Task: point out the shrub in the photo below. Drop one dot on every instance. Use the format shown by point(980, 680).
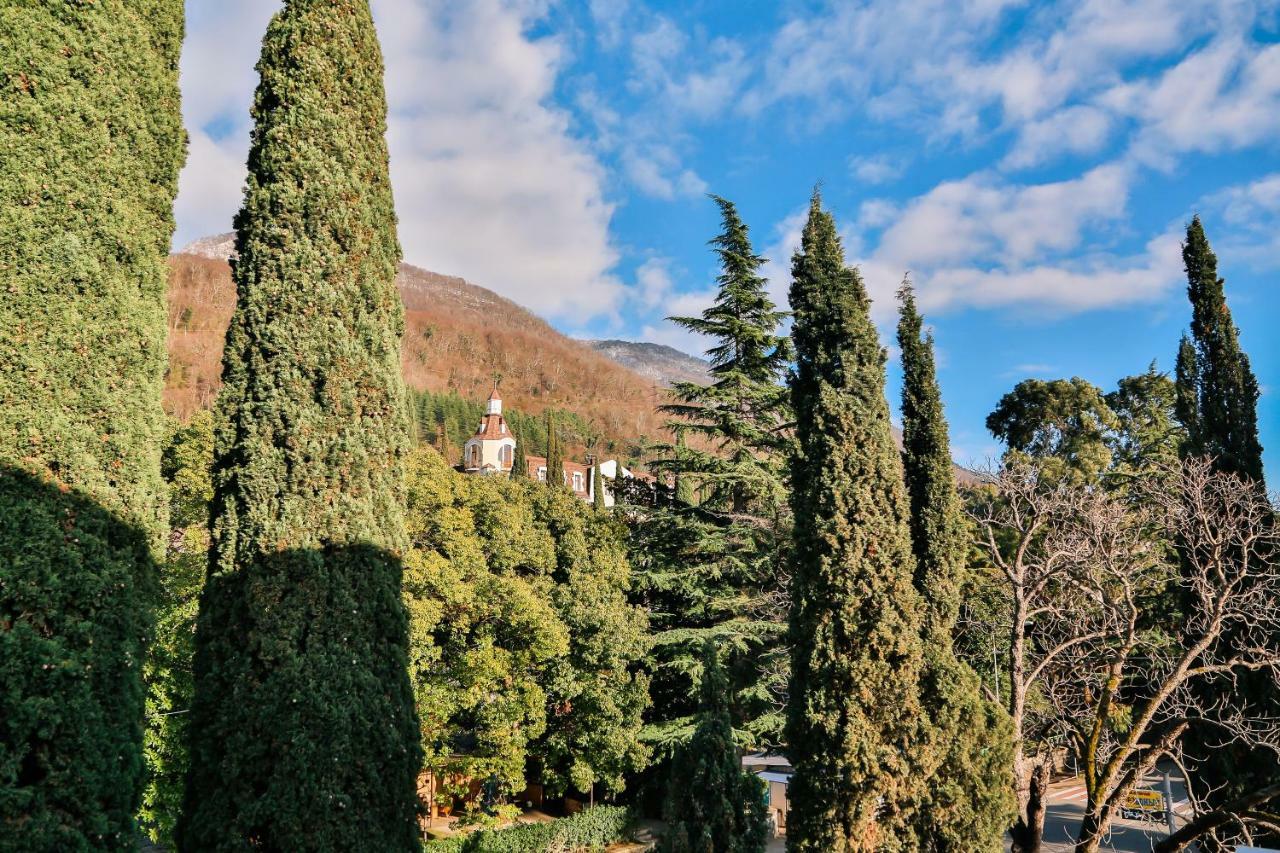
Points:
point(593, 829)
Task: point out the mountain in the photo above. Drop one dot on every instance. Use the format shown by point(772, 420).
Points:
point(663, 364)
point(458, 337)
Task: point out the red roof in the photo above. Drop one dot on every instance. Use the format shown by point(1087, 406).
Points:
point(493, 427)
point(533, 463)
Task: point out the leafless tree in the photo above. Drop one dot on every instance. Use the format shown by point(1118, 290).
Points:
point(1092, 663)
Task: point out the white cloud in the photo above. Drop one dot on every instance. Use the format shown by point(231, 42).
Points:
point(1244, 222)
point(491, 182)
point(1079, 129)
point(880, 169)
point(653, 282)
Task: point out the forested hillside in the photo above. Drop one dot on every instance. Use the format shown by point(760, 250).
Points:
point(458, 338)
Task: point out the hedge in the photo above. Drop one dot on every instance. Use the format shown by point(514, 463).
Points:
point(593, 829)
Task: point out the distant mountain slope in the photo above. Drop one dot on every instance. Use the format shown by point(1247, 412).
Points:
point(663, 364)
point(457, 337)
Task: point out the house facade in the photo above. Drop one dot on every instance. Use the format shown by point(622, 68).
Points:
point(491, 451)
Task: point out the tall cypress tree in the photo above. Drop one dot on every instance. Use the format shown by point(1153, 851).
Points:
point(964, 748)
point(855, 617)
point(1216, 399)
point(555, 457)
point(91, 130)
point(1217, 391)
point(304, 732)
point(712, 805)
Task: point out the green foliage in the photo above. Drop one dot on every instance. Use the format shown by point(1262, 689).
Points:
point(90, 127)
point(1148, 435)
point(963, 750)
point(461, 416)
point(1063, 424)
point(303, 728)
point(855, 618)
point(1217, 392)
point(167, 672)
point(593, 829)
point(521, 639)
point(555, 456)
point(712, 805)
point(708, 564)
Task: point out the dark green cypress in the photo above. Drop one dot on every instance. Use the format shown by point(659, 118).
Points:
point(91, 135)
point(519, 465)
point(855, 617)
point(1217, 391)
point(597, 486)
point(304, 731)
point(712, 805)
point(963, 747)
point(555, 458)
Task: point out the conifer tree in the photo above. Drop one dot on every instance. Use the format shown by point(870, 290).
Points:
point(963, 747)
point(712, 805)
point(1217, 390)
point(304, 734)
point(709, 568)
point(597, 486)
point(91, 135)
point(519, 464)
point(855, 616)
point(1217, 402)
point(555, 457)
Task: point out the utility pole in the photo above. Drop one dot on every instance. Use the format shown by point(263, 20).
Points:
point(1168, 803)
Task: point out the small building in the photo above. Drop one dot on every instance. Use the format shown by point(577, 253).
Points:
point(491, 450)
point(776, 772)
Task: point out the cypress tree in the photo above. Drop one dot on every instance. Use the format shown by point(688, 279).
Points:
point(964, 747)
point(855, 616)
point(304, 731)
point(712, 805)
point(1217, 390)
point(91, 130)
point(555, 459)
point(519, 465)
point(597, 486)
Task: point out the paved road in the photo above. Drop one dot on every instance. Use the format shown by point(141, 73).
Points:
point(1066, 807)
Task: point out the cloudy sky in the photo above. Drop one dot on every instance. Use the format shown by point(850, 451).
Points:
point(1032, 164)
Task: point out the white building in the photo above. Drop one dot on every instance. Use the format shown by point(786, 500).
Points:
point(492, 450)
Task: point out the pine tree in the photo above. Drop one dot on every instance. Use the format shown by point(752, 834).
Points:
point(92, 141)
point(712, 805)
point(855, 616)
point(963, 746)
point(709, 568)
point(304, 734)
point(1217, 390)
point(555, 457)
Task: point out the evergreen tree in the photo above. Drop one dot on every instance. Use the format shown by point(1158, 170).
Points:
point(519, 464)
point(597, 486)
point(963, 746)
point(712, 805)
point(709, 569)
point(92, 141)
point(855, 616)
point(304, 735)
point(1217, 391)
point(1148, 434)
point(555, 457)
point(1217, 402)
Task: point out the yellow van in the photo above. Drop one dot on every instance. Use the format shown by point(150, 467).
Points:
point(1143, 804)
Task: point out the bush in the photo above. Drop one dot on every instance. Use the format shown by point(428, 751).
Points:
point(593, 829)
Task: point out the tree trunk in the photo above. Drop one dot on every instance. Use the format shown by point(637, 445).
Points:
point(1028, 832)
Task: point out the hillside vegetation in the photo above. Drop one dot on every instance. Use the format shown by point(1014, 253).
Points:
point(458, 338)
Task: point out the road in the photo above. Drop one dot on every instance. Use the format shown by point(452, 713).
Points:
point(1066, 806)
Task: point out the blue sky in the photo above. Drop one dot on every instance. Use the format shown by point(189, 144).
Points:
point(1031, 164)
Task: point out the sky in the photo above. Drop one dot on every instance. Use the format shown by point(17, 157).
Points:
point(1032, 165)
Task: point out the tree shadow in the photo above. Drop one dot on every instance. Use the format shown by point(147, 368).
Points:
point(76, 582)
point(304, 733)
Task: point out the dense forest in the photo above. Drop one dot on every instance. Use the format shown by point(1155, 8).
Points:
point(287, 621)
